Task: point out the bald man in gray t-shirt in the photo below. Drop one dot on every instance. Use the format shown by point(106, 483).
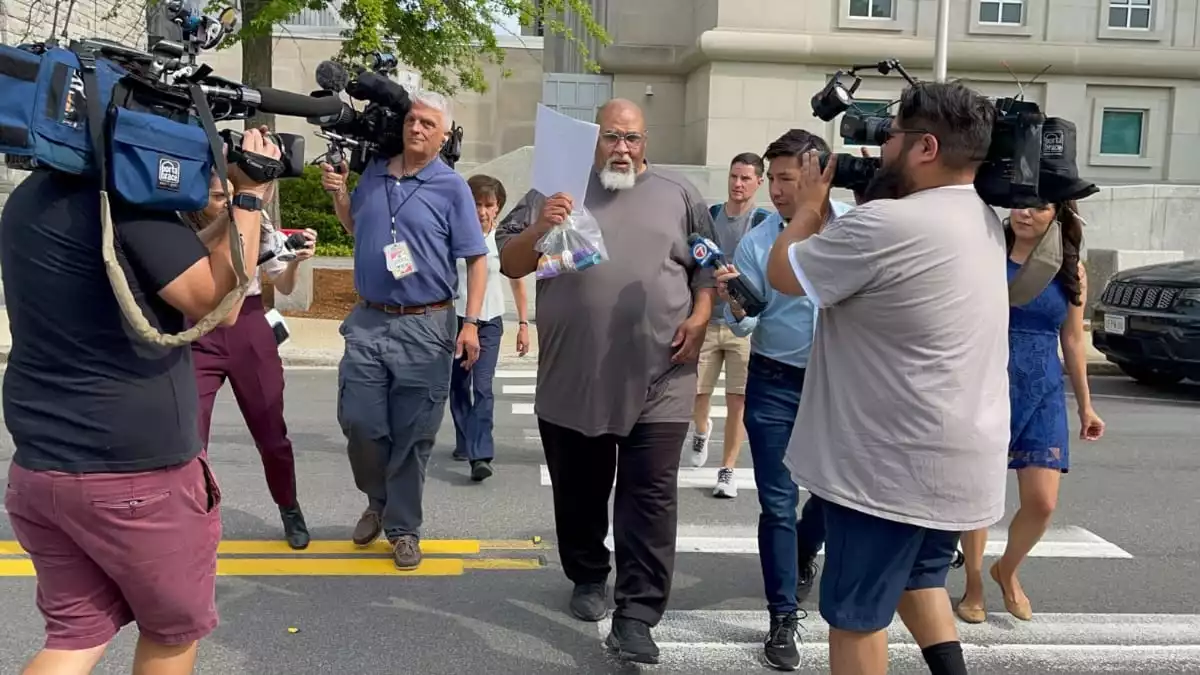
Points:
point(618, 346)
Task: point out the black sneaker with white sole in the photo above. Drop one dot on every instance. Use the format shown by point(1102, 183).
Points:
point(630, 640)
point(779, 648)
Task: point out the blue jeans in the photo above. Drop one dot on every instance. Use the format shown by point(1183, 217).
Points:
point(772, 399)
point(472, 403)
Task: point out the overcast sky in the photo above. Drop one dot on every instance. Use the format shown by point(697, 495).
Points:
point(510, 26)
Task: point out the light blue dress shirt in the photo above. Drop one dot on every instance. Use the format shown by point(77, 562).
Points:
point(784, 330)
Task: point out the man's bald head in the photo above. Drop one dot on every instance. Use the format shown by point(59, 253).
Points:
point(621, 148)
point(620, 111)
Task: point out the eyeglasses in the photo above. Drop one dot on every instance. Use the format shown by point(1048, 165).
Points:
point(632, 139)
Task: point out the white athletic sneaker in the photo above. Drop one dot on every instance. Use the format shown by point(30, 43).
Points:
point(726, 484)
point(699, 446)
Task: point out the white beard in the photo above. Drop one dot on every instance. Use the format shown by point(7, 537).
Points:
point(613, 180)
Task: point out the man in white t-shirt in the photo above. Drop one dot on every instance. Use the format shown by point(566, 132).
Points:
point(903, 429)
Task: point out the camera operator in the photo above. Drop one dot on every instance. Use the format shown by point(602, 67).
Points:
point(780, 347)
point(108, 491)
point(905, 407)
point(412, 217)
point(248, 355)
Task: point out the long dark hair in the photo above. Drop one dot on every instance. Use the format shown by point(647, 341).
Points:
point(1072, 240)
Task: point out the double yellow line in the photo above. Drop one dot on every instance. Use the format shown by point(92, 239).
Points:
point(245, 558)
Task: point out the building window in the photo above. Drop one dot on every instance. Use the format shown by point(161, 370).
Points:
point(1121, 132)
point(1133, 14)
point(1003, 12)
point(871, 9)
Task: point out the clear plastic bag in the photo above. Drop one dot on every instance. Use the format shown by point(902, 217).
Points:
point(572, 246)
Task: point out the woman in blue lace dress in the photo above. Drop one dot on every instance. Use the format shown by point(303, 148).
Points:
point(1038, 446)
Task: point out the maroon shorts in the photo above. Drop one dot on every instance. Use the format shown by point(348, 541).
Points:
point(114, 548)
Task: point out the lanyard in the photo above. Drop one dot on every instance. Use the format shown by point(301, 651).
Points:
point(388, 182)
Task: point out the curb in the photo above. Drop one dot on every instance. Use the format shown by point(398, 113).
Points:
point(295, 358)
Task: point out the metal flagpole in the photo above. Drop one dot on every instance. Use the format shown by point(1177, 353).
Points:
point(942, 45)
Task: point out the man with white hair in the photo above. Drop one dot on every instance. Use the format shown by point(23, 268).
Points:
point(394, 377)
point(617, 374)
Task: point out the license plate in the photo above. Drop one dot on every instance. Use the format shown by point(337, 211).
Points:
point(1114, 323)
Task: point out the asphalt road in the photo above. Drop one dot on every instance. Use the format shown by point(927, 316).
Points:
point(1114, 584)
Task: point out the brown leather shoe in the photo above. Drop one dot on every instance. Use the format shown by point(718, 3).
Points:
point(406, 551)
point(368, 528)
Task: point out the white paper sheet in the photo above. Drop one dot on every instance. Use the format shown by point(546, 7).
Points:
point(564, 150)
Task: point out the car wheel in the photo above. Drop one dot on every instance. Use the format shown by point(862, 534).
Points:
point(1151, 376)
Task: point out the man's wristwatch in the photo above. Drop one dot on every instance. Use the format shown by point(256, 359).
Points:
point(472, 320)
point(247, 202)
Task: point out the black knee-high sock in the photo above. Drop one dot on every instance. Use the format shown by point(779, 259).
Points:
point(945, 658)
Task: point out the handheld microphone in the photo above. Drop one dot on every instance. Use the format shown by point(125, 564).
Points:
point(286, 250)
point(706, 253)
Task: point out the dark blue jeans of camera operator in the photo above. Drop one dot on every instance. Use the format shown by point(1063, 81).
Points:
point(472, 403)
point(772, 399)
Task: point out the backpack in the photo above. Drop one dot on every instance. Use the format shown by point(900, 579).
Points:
point(760, 214)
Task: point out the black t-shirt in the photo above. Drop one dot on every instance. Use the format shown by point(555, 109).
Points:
point(82, 394)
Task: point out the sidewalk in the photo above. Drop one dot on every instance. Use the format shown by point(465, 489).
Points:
point(317, 343)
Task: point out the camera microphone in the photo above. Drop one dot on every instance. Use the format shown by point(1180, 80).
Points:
point(706, 253)
point(331, 76)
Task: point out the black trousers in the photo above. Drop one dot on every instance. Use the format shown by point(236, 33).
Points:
point(646, 467)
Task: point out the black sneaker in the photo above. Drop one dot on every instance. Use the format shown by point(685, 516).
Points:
point(779, 649)
point(589, 602)
point(630, 640)
point(295, 530)
point(481, 470)
point(806, 575)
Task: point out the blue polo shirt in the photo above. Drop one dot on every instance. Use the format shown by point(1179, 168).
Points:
point(434, 214)
point(783, 332)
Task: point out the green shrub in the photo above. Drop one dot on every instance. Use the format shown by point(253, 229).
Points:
point(302, 203)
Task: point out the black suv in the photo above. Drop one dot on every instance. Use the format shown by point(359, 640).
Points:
point(1147, 322)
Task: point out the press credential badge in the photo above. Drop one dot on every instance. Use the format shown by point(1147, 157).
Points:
point(399, 259)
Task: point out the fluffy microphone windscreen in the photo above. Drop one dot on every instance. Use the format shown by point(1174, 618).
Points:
point(331, 76)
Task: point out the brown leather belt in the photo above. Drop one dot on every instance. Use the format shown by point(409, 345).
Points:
point(407, 309)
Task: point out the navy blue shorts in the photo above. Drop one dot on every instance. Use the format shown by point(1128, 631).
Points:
point(870, 562)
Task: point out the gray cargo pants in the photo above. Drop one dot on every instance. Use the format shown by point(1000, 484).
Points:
point(393, 382)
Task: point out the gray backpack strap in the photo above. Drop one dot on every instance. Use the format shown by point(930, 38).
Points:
point(1039, 270)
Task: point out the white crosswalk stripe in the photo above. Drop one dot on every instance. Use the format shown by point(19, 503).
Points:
point(718, 641)
point(524, 392)
point(714, 640)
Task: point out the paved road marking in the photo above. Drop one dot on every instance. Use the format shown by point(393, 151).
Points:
point(329, 567)
point(245, 547)
point(516, 374)
point(1067, 542)
point(690, 477)
point(715, 412)
point(732, 640)
point(531, 389)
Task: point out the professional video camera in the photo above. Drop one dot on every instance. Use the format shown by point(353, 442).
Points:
point(1008, 177)
point(379, 128)
point(144, 123)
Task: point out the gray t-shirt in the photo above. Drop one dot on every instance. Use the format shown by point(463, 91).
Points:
point(905, 411)
point(604, 334)
point(729, 231)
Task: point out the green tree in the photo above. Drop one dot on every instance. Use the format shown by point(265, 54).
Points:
point(447, 41)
